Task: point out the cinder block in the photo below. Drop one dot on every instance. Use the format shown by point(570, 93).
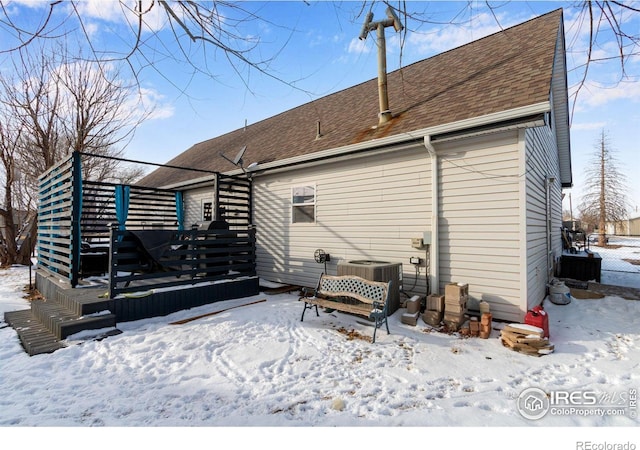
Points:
point(454, 321)
point(410, 319)
point(453, 316)
point(432, 318)
point(452, 325)
point(455, 308)
point(413, 305)
point(435, 302)
point(456, 293)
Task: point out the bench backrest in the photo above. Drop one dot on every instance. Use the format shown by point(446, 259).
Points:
point(366, 291)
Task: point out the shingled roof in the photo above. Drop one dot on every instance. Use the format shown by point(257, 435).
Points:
point(506, 70)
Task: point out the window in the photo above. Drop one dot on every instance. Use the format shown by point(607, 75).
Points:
point(207, 211)
point(303, 204)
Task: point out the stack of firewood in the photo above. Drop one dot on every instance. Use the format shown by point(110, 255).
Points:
point(527, 339)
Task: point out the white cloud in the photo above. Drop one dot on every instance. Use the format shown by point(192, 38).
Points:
point(588, 126)
point(359, 46)
point(155, 105)
point(31, 3)
point(365, 46)
point(154, 16)
point(449, 36)
point(594, 95)
point(96, 9)
point(91, 28)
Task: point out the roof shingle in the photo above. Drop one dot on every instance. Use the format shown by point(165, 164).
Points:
point(506, 70)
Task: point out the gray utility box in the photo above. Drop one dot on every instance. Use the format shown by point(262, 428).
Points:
point(377, 271)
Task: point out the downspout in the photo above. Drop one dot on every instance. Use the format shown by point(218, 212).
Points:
point(547, 221)
point(434, 261)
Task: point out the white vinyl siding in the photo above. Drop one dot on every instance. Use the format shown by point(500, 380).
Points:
point(366, 208)
point(491, 218)
point(542, 163)
point(193, 201)
point(480, 220)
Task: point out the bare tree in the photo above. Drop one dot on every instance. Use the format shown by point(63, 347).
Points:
point(127, 173)
point(100, 112)
point(49, 109)
point(608, 21)
point(606, 192)
point(196, 30)
point(190, 32)
point(10, 230)
point(30, 97)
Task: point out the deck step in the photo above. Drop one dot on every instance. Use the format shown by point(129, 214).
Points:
point(62, 322)
point(62, 313)
point(84, 301)
point(34, 336)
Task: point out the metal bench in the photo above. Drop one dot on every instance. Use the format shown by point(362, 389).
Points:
point(351, 294)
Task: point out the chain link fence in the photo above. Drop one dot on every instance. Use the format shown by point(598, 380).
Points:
point(620, 259)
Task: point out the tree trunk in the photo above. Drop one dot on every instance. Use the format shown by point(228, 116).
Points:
point(602, 219)
point(9, 246)
point(29, 244)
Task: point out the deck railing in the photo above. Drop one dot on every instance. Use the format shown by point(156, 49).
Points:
point(75, 239)
point(143, 260)
point(73, 212)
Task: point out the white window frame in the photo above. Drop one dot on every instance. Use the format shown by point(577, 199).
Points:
point(305, 203)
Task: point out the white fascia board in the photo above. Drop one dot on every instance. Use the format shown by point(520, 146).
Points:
point(501, 116)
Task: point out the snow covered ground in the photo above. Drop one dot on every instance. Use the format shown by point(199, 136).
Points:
point(617, 269)
point(259, 366)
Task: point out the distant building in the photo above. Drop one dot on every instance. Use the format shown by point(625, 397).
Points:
point(628, 227)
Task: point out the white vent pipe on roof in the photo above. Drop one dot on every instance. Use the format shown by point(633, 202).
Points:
point(392, 21)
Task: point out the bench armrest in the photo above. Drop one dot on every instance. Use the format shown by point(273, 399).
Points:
point(307, 292)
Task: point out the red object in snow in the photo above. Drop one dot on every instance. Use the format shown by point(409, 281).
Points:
point(538, 317)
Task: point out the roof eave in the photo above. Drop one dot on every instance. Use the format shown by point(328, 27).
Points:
point(560, 100)
point(471, 123)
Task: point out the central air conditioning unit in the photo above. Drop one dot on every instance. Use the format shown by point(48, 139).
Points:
point(377, 271)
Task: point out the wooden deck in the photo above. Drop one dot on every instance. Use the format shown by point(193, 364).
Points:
point(66, 311)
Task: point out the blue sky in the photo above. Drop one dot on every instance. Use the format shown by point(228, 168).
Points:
point(314, 50)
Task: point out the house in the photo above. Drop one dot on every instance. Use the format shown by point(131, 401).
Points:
point(628, 227)
point(633, 224)
point(463, 184)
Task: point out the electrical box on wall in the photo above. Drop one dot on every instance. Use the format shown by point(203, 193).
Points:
point(417, 243)
point(423, 242)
